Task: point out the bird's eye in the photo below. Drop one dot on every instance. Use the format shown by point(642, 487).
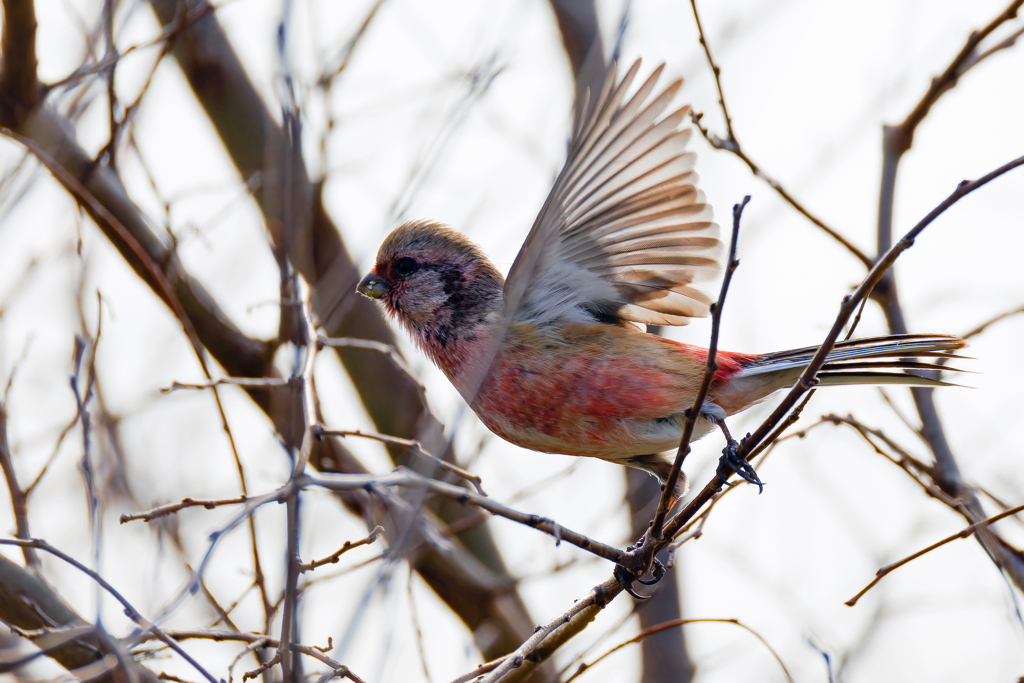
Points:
point(406, 266)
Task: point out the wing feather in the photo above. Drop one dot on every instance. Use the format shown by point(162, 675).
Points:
point(625, 232)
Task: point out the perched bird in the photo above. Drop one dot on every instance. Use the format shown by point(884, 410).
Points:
point(554, 358)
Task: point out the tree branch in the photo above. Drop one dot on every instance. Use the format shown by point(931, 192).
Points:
point(29, 604)
point(732, 144)
point(963, 533)
point(19, 85)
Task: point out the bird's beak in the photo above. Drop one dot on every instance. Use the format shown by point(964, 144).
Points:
point(372, 286)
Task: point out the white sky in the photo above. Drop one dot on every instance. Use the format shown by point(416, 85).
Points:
point(809, 85)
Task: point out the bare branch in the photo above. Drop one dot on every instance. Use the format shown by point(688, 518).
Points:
point(963, 533)
point(19, 499)
point(714, 70)
point(991, 321)
point(647, 632)
point(900, 138)
point(336, 555)
point(164, 510)
point(19, 85)
point(410, 479)
point(732, 144)
point(710, 368)
point(129, 610)
point(247, 382)
point(252, 638)
point(850, 302)
point(30, 606)
point(519, 665)
point(417, 447)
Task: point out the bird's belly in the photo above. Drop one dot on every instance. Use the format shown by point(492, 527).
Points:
point(596, 437)
point(583, 399)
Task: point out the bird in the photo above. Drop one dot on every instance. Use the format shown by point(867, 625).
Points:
point(556, 357)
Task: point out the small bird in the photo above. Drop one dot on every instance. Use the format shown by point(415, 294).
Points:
point(556, 357)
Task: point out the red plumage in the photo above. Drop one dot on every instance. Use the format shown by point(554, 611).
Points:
point(553, 359)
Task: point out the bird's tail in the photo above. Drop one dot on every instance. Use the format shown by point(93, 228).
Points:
point(908, 359)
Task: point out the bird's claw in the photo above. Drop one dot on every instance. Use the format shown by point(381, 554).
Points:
point(626, 579)
point(731, 463)
point(657, 573)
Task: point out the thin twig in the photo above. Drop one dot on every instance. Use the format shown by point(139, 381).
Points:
point(715, 70)
point(236, 636)
point(474, 479)
point(129, 610)
point(735, 148)
point(407, 478)
point(370, 345)
point(808, 379)
point(676, 623)
point(731, 144)
point(991, 321)
point(336, 555)
point(251, 647)
point(710, 369)
point(19, 498)
point(414, 617)
point(963, 533)
point(172, 508)
point(249, 382)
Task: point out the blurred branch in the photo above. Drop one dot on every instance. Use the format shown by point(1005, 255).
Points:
point(264, 641)
point(19, 500)
point(580, 29)
point(665, 656)
point(260, 148)
point(19, 85)
point(29, 604)
point(897, 140)
point(416, 446)
point(101, 193)
point(129, 610)
point(991, 321)
point(963, 533)
point(336, 555)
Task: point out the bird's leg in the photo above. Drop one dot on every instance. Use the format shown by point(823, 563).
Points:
point(730, 462)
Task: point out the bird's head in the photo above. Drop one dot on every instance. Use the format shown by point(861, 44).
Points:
point(437, 283)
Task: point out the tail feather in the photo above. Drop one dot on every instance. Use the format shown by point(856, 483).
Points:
point(868, 361)
point(906, 379)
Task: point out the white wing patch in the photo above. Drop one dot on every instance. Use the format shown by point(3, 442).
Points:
point(625, 233)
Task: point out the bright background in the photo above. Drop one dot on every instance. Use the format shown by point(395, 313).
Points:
point(809, 85)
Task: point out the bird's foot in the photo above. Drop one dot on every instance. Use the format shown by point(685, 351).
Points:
point(626, 578)
point(731, 463)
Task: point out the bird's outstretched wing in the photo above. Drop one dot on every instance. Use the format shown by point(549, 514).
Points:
point(624, 234)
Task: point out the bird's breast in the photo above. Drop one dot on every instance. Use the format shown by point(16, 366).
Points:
point(586, 389)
